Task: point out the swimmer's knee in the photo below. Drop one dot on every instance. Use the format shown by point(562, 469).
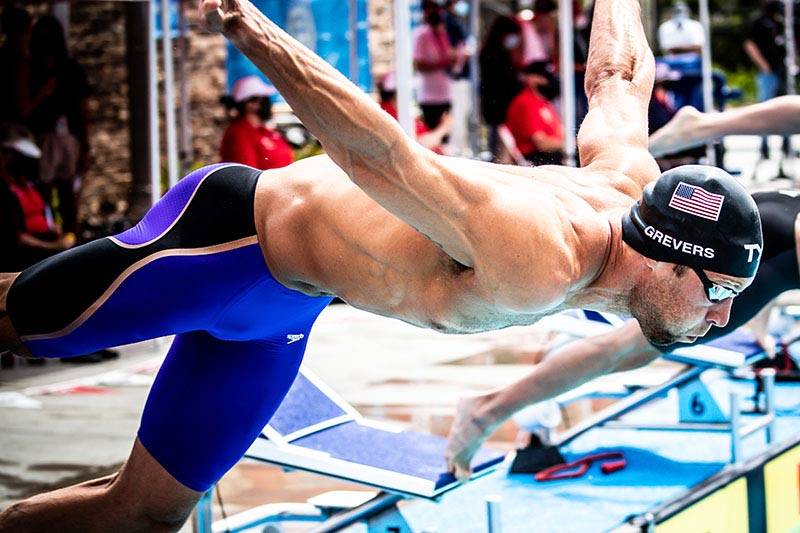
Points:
point(153, 496)
point(6, 280)
point(147, 510)
point(96, 505)
point(14, 516)
point(10, 340)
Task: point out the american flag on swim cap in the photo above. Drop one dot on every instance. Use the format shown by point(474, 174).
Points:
point(696, 201)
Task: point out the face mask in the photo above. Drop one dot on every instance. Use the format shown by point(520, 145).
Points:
point(21, 166)
point(434, 19)
point(265, 109)
point(461, 9)
point(680, 16)
point(511, 41)
point(551, 89)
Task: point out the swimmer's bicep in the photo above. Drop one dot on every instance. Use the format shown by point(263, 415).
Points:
point(628, 165)
point(617, 117)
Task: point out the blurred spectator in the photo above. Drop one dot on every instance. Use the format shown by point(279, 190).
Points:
point(662, 107)
point(30, 235)
point(433, 60)
point(582, 25)
point(59, 119)
point(538, 29)
point(28, 232)
point(11, 220)
point(532, 119)
point(460, 87)
point(500, 81)
point(533, 48)
point(15, 23)
point(660, 111)
point(248, 140)
point(680, 34)
point(766, 47)
point(431, 139)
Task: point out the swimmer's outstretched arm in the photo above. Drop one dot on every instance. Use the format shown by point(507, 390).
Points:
point(690, 127)
point(619, 82)
point(362, 139)
point(572, 365)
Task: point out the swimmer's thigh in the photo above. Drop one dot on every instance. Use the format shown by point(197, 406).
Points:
point(210, 401)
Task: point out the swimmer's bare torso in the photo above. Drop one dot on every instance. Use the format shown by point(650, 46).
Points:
point(540, 241)
point(456, 245)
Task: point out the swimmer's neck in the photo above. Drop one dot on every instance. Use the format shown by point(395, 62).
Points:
point(614, 277)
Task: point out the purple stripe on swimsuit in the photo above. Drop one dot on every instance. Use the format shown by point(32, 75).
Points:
point(157, 220)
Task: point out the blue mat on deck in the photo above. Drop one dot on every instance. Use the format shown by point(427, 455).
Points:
point(661, 465)
point(594, 502)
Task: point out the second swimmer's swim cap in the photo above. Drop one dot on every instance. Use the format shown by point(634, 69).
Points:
point(698, 216)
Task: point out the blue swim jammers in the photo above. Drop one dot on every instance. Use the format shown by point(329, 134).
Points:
point(192, 267)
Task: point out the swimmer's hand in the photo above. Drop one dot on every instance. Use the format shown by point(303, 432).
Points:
point(759, 326)
point(215, 15)
point(767, 342)
point(468, 432)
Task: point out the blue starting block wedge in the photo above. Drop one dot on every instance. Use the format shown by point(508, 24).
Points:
point(315, 430)
point(696, 404)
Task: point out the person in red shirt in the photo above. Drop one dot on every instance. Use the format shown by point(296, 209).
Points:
point(433, 139)
point(248, 140)
point(532, 119)
point(37, 237)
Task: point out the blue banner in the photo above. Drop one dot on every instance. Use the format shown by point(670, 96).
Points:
point(321, 25)
point(174, 31)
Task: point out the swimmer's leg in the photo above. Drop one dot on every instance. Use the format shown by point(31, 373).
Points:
point(9, 339)
point(169, 274)
point(210, 401)
point(142, 496)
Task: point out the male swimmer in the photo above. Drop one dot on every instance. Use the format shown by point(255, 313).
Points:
point(238, 263)
point(626, 348)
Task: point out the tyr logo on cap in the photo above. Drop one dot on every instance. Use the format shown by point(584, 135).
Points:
point(696, 201)
point(750, 249)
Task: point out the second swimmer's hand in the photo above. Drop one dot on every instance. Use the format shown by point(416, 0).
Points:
point(466, 436)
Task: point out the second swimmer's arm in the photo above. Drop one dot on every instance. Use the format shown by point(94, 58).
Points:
point(573, 365)
point(777, 116)
point(689, 127)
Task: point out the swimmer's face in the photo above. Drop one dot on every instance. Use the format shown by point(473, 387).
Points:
point(672, 304)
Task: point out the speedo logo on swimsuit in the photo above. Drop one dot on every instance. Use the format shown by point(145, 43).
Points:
point(679, 245)
point(294, 337)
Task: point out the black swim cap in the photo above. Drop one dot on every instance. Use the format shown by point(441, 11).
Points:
point(698, 216)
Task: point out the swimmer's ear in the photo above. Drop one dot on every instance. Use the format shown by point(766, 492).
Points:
point(650, 263)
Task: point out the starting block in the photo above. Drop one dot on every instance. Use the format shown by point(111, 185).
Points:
point(316, 430)
point(697, 408)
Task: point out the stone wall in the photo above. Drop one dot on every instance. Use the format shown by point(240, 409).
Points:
point(97, 41)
